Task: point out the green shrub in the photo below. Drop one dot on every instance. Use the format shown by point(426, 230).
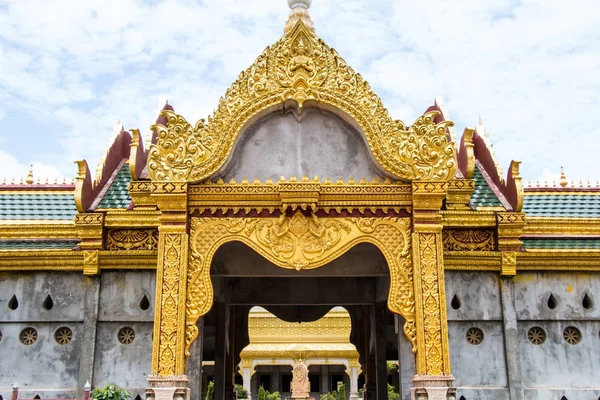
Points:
point(210, 391)
point(110, 392)
point(272, 396)
point(341, 392)
point(261, 393)
point(241, 392)
point(392, 395)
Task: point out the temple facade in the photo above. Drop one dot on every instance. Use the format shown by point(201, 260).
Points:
point(301, 222)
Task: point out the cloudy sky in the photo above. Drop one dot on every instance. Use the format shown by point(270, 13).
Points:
point(70, 69)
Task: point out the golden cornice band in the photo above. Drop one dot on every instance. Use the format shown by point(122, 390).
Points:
point(302, 193)
point(301, 67)
point(300, 242)
point(38, 230)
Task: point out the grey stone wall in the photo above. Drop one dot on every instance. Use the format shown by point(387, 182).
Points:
point(315, 143)
point(49, 369)
point(502, 368)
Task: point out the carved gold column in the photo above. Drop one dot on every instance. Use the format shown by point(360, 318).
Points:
point(168, 378)
point(432, 363)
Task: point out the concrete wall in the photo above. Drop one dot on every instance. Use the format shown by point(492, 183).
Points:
point(503, 368)
point(49, 369)
point(315, 143)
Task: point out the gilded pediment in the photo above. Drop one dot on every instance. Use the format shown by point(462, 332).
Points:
point(299, 69)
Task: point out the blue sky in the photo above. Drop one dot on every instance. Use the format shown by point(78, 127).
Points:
point(69, 70)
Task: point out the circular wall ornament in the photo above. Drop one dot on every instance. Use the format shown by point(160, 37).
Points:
point(474, 336)
point(63, 335)
point(572, 335)
point(536, 335)
point(28, 336)
point(126, 335)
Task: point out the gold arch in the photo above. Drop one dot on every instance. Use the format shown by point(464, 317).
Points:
point(300, 67)
point(300, 242)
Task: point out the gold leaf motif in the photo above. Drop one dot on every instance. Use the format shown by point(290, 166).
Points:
point(132, 239)
point(468, 240)
point(301, 67)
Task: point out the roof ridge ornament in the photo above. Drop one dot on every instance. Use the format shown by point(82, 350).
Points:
point(299, 13)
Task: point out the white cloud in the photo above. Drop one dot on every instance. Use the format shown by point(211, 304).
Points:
point(11, 170)
point(529, 68)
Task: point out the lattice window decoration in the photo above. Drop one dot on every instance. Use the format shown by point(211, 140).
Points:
point(572, 335)
point(536, 335)
point(126, 335)
point(28, 336)
point(475, 336)
point(63, 335)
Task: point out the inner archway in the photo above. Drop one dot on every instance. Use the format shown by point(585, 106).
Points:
point(358, 281)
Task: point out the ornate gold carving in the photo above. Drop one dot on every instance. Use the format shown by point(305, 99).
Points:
point(132, 219)
point(459, 194)
point(468, 240)
point(432, 355)
point(140, 192)
point(459, 219)
point(38, 230)
point(509, 263)
point(472, 260)
point(89, 229)
point(91, 263)
point(304, 194)
point(300, 67)
point(132, 239)
point(169, 335)
point(510, 229)
point(300, 242)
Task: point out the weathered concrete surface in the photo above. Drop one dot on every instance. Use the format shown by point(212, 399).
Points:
point(126, 365)
point(86, 365)
point(316, 143)
point(478, 293)
point(122, 292)
point(511, 339)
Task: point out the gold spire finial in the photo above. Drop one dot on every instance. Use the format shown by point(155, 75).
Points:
point(563, 179)
point(29, 179)
point(299, 12)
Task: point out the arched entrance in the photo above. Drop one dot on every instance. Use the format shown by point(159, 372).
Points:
point(301, 224)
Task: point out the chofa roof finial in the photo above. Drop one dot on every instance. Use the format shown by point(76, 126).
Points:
point(29, 179)
point(563, 179)
point(299, 12)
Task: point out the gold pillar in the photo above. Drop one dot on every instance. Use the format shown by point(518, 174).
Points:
point(432, 363)
point(510, 229)
point(168, 347)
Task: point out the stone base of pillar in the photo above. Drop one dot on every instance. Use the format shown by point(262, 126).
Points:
point(432, 388)
point(353, 396)
point(168, 388)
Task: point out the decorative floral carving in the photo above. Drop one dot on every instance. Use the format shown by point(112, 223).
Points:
point(132, 239)
point(168, 337)
point(301, 67)
point(468, 240)
point(300, 242)
point(431, 347)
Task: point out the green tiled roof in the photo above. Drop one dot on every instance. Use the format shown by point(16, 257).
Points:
point(562, 205)
point(117, 195)
point(37, 245)
point(37, 205)
point(483, 196)
point(584, 244)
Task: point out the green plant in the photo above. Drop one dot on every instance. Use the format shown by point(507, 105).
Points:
point(272, 396)
point(261, 393)
point(391, 367)
point(341, 392)
point(110, 392)
point(329, 396)
point(392, 395)
point(210, 391)
point(241, 392)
